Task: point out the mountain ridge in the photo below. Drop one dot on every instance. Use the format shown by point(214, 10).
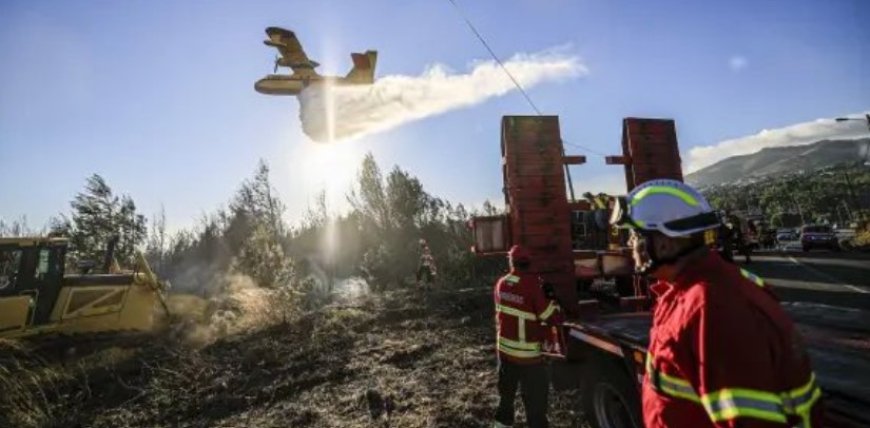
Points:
point(779, 160)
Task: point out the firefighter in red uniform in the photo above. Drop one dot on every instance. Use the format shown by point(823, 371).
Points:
point(722, 351)
point(521, 309)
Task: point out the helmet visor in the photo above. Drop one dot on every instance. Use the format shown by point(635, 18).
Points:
point(698, 222)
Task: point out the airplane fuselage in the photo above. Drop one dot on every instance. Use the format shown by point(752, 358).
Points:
point(303, 75)
point(282, 84)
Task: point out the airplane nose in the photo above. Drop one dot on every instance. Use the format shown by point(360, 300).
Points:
point(260, 86)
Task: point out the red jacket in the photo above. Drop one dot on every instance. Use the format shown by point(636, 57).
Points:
point(520, 310)
point(724, 354)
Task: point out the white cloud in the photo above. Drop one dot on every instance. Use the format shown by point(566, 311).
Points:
point(342, 112)
point(794, 135)
point(737, 63)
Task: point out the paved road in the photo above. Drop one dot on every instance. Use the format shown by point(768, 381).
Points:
point(841, 279)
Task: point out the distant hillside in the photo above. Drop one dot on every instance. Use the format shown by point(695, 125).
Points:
point(778, 160)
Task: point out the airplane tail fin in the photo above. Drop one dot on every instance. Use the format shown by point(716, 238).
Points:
point(363, 70)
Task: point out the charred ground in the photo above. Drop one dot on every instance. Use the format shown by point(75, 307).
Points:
point(399, 359)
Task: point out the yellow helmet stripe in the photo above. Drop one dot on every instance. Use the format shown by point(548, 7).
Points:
point(655, 190)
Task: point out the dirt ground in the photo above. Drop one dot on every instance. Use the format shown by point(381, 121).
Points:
point(394, 360)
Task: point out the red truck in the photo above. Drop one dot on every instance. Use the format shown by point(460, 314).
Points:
point(603, 348)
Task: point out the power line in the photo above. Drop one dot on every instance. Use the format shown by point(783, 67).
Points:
point(514, 80)
point(495, 57)
point(594, 152)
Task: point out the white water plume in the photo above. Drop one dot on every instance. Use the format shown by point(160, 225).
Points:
point(331, 113)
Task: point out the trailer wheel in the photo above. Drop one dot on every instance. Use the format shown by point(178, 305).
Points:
point(610, 398)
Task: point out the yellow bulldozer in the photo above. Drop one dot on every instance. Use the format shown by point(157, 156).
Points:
point(37, 296)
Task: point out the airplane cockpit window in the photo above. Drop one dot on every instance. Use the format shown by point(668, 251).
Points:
point(10, 263)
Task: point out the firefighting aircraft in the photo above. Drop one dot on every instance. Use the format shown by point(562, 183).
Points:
point(292, 55)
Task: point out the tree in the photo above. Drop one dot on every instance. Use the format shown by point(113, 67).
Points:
point(489, 208)
point(317, 216)
point(809, 196)
point(394, 214)
point(369, 198)
point(17, 227)
point(406, 199)
point(156, 245)
point(262, 259)
point(257, 231)
point(256, 200)
point(132, 230)
point(97, 216)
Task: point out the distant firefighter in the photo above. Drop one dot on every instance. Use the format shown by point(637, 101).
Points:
point(426, 272)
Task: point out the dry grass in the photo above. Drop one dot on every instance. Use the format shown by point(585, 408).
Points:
point(396, 360)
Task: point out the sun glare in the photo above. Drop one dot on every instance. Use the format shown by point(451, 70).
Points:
point(330, 167)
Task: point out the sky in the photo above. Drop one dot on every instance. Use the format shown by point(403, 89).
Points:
point(157, 96)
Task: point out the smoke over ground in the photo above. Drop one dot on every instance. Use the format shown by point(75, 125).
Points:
point(330, 113)
point(243, 306)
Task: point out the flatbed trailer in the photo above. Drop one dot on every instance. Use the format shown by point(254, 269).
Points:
point(606, 356)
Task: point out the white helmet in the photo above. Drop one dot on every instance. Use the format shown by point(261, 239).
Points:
point(668, 206)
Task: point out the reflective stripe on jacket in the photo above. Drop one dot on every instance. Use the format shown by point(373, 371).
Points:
point(731, 403)
point(520, 309)
point(723, 353)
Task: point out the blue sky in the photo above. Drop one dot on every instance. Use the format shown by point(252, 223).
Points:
point(157, 96)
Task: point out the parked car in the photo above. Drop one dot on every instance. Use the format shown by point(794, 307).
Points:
point(818, 236)
point(786, 235)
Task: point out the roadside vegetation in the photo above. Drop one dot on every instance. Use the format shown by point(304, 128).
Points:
point(838, 195)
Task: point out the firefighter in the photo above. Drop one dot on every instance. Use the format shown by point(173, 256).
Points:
point(520, 309)
point(426, 272)
point(725, 236)
point(740, 237)
point(722, 351)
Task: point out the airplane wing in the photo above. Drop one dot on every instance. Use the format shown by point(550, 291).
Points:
point(292, 54)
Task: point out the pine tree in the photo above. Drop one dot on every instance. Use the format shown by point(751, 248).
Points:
point(97, 216)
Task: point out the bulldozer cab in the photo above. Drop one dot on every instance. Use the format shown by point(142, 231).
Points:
point(32, 269)
point(37, 296)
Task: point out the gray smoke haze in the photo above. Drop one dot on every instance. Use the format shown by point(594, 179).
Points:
point(342, 112)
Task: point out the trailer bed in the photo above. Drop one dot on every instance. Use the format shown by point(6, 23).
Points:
point(838, 341)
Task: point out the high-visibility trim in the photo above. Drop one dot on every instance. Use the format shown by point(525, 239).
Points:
point(521, 329)
point(523, 345)
point(515, 312)
point(551, 308)
point(653, 190)
point(512, 279)
point(803, 390)
point(729, 403)
point(677, 387)
point(670, 385)
point(518, 353)
point(804, 411)
point(800, 400)
point(752, 277)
